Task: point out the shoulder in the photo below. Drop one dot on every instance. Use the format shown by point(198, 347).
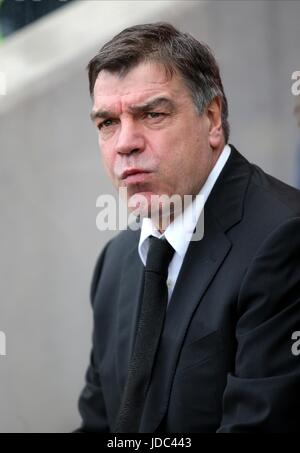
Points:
point(274, 192)
point(267, 200)
point(112, 257)
point(123, 243)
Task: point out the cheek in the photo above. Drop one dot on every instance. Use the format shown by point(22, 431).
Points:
point(107, 160)
point(177, 154)
point(187, 159)
point(169, 149)
point(104, 149)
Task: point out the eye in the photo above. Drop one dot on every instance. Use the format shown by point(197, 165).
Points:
point(154, 115)
point(105, 124)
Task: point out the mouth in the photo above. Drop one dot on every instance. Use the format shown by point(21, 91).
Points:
point(135, 175)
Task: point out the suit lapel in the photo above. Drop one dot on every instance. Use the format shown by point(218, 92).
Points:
point(201, 263)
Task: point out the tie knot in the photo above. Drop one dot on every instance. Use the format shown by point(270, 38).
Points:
point(159, 255)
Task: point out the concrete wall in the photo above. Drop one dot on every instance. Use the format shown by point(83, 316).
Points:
point(51, 175)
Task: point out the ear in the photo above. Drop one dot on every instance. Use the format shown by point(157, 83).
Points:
point(215, 131)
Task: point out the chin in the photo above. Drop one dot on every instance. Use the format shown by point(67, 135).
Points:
point(140, 202)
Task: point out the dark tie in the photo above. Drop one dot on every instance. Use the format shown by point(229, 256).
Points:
point(149, 329)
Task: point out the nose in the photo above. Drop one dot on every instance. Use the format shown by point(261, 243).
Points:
point(129, 139)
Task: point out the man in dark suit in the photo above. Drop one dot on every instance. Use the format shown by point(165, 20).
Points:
point(224, 361)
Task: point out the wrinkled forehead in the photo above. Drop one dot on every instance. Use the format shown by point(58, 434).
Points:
point(142, 82)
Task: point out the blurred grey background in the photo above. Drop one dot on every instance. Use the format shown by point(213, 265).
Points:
point(51, 173)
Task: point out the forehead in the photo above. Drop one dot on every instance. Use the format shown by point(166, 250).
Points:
point(142, 82)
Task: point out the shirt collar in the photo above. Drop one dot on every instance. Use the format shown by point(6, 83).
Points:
point(179, 232)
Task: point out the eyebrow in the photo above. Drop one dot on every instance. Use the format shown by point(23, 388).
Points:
point(139, 108)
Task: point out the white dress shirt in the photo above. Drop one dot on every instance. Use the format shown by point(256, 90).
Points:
point(180, 231)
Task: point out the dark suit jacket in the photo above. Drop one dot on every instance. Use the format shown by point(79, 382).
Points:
point(225, 361)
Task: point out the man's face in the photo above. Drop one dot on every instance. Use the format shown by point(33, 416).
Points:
point(153, 141)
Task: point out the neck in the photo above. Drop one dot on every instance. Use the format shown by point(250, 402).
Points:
point(165, 217)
